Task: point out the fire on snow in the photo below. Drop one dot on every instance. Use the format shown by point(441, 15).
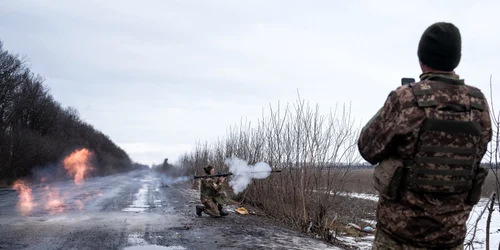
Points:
point(77, 165)
point(25, 203)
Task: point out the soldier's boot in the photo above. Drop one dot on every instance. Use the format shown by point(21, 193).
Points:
point(222, 211)
point(199, 210)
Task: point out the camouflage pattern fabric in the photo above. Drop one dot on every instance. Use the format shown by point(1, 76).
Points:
point(416, 218)
point(211, 206)
point(387, 177)
point(221, 198)
point(210, 195)
point(383, 242)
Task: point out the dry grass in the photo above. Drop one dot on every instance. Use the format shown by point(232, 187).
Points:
point(489, 185)
point(308, 148)
point(361, 181)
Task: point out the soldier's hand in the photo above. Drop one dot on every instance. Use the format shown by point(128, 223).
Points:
point(222, 179)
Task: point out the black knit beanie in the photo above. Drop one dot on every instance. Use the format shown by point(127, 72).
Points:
point(207, 169)
point(440, 46)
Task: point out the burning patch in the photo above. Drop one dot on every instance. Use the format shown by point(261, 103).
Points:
point(55, 204)
point(25, 203)
point(78, 165)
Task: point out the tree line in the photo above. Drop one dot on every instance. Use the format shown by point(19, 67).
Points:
point(36, 130)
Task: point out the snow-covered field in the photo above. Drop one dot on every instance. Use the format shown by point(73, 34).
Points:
point(480, 238)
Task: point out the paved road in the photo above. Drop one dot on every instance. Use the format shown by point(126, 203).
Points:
point(133, 211)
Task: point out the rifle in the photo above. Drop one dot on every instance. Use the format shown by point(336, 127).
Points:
point(228, 174)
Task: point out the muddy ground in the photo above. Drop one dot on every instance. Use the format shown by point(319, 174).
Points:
point(134, 211)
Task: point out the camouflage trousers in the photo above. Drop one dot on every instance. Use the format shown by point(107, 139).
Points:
point(212, 208)
point(383, 241)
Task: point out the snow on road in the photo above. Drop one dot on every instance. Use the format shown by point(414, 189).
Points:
point(140, 203)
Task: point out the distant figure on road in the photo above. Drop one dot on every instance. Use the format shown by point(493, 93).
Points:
point(428, 140)
point(210, 195)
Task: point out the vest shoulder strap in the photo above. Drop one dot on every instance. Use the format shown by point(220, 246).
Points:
point(477, 98)
point(423, 93)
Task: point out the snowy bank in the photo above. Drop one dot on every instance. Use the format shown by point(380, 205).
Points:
point(480, 238)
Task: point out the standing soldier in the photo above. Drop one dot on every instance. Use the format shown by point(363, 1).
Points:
point(210, 195)
point(428, 141)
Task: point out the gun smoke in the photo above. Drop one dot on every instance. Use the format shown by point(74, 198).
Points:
point(244, 173)
point(167, 180)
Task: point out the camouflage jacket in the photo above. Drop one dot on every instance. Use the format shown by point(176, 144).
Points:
point(423, 220)
point(210, 187)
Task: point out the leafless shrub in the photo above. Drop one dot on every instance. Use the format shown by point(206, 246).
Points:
point(492, 183)
point(493, 152)
point(315, 152)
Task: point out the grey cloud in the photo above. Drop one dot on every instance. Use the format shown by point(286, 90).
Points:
point(161, 75)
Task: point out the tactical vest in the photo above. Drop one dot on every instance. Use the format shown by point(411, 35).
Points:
point(445, 160)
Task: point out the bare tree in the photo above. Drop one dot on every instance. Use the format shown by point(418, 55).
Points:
point(492, 161)
point(314, 150)
point(35, 130)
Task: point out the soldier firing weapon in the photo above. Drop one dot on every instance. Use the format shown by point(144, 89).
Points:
point(228, 174)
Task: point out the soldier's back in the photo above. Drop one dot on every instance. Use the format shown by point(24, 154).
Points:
point(449, 129)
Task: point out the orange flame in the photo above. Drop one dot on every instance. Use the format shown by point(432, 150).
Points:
point(77, 164)
point(25, 203)
point(54, 204)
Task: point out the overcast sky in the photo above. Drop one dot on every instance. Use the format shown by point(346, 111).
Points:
point(156, 76)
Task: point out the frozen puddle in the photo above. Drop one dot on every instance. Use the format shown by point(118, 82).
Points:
point(141, 244)
point(136, 239)
point(140, 204)
point(363, 243)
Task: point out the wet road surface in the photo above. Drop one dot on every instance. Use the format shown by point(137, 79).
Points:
point(133, 211)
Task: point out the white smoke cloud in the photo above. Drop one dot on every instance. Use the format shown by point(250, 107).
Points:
point(244, 173)
point(167, 180)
